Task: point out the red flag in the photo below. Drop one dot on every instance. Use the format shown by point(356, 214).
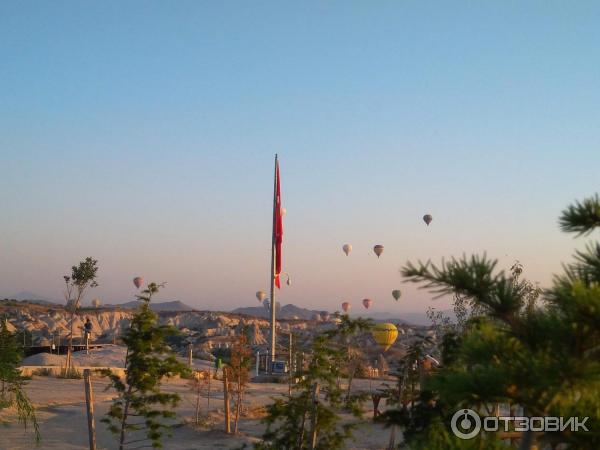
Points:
point(278, 231)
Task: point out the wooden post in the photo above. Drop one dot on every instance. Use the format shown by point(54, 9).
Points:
point(313, 418)
point(290, 363)
point(226, 400)
point(208, 393)
point(197, 377)
point(392, 442)
point(89, 402)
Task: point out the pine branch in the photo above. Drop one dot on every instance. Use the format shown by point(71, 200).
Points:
point(581, 217)
point(472, 277)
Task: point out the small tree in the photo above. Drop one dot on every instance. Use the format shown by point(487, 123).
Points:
point(239, 372)
point(83, 278)
point(12, 393)
point(198, 383)
point(141, 405)
point(310, 417)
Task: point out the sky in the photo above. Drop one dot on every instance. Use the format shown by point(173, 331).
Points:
point(142, 133)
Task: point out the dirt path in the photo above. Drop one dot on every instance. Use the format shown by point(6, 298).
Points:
point(63, 422)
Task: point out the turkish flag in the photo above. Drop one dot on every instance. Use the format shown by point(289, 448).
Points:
point(278, 231)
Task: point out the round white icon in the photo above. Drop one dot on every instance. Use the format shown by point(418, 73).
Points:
point(465, 424)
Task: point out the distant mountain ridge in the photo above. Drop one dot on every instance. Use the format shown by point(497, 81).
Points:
point(174, 305)
point(31, 297)
point(286, 312)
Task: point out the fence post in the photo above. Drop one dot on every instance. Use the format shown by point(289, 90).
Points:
point(89, 402)
point(226, 400)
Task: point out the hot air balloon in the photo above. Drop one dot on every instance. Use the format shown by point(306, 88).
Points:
point(261, 295)
point(316, 317)
point(396, 294)
point(96, 303)
point(367, 302)
point(385, 334)
point(138, 281)
point(347, 249)
point(378, 249)
point(345, 306)
point(324, 316)
point(427, 218)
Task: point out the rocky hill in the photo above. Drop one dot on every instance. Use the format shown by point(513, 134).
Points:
point(206, 331)
point(286, 312)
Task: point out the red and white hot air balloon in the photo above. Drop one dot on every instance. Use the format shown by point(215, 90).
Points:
point(378, 249)
point(346, 306)
point(367, 302)
point(138, 282)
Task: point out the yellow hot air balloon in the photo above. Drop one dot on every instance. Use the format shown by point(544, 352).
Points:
point(385, 334)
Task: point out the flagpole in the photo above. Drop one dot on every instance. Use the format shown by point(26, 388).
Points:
point(272, 301)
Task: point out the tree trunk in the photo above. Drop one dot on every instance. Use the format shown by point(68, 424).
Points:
point(70, 348)
point(350, 379)
point(315, 411)
point(124, 420)
point(301, 437)
point(238, 404)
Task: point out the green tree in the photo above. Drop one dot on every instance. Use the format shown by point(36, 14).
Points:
point(317, 399)
point(138, 412)
point(82, 278)
point(544, 357)
point(12, 393)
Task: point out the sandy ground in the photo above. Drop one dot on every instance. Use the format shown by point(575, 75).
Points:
point(61, 413)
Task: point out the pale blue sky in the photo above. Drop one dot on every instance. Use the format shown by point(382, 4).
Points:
point(142, 133)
